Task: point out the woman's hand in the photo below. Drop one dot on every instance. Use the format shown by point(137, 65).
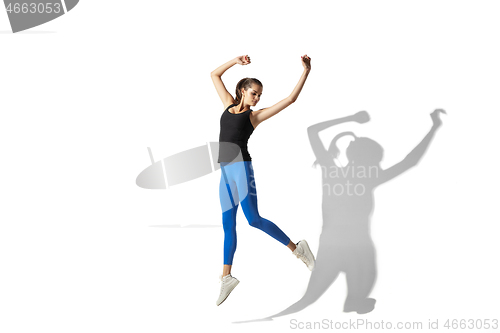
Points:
point(243, 60)
point(361, 117)
point(306, 62)
point(435, 117)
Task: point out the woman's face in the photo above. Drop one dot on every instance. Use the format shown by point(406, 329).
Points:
point(252, 95)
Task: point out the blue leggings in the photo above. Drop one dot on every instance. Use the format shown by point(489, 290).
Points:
point(237, 184)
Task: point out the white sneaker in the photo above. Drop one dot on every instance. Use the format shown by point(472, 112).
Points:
point(228, 283)
point(303, 252)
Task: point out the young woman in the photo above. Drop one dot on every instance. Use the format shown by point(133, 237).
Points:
point(237, 182)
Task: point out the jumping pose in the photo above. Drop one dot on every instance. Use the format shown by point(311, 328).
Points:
point(237, 182)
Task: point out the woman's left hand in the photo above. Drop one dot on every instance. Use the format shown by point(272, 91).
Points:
point(306, 62)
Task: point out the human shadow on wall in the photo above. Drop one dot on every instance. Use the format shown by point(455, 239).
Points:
point(345, 243)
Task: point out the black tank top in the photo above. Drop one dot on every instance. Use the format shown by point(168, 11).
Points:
point(235, 128)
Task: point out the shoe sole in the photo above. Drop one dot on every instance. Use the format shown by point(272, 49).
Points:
point(237, 282)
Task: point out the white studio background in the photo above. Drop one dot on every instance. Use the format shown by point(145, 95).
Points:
point(84, 249)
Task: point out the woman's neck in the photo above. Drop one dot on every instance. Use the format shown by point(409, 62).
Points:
point(242, 107)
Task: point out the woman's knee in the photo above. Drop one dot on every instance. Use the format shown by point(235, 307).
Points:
point(256, 222)
point(229, 227)
point(229, 221)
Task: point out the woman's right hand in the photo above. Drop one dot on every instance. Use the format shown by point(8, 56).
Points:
point(306, 62)
point(361, 117)
point(243, 60)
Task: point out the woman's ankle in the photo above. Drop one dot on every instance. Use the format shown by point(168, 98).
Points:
point(226, 270)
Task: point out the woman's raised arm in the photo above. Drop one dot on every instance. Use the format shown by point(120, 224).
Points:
point(216, 75)
point(263, 114)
